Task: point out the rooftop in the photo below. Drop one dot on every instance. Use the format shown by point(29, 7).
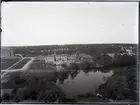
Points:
point(85, 56)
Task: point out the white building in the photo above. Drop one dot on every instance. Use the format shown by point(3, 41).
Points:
point(6, 52)
point(50, 58)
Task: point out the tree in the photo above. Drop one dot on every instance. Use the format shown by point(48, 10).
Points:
point(104, 60)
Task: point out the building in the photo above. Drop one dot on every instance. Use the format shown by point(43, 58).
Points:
point(71, 58)
point(83, 57)
point(50, 58)
point(62, 57)
point(6, 52)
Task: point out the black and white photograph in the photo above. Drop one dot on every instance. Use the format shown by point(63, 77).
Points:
point(69, 52)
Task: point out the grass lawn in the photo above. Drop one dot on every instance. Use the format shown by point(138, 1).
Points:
point(6, 63)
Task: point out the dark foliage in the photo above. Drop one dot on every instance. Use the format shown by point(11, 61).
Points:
point(5, 63)
point(120, 60)
point(39, 88)
point(119, 86)
point(73, 66)
point(91, 49)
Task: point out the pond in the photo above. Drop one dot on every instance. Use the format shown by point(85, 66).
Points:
point(83, 83)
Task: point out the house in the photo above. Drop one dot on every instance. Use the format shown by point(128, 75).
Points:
point(62, 57)
point(56, 57)
point(50, 58)
point(83, 57)
point(6, 52)
point(71, 58)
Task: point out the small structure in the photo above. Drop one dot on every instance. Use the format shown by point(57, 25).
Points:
point(71, 58)
point(83, 57)
point(50, 58)
point(6, 52)
point(62, 57)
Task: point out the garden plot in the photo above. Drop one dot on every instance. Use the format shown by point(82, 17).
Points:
point(7, 62)
point(21, 64)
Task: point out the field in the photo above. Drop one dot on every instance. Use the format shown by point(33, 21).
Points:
point(6, 63)
point(20, 64)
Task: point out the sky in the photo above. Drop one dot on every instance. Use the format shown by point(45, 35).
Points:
point(50, 23)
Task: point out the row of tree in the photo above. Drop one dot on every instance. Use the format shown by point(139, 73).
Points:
point(104, 60)
point(91, 49)
point(117, 60)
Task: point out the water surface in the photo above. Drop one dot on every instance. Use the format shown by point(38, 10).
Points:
point(83, 83)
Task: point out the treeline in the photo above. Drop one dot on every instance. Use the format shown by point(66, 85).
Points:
point(91, 49)
point(104, 61)
point(38, 86)
point(117, 60)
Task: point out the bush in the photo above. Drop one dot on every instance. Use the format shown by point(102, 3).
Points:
point(64, 65)
point(38, 90)
point(73, 66)
point(6, 96)
point(62, 75)
point(86, 65)
point(113, 88)
point(120, 85)
point(120, 60)
point(104, 60)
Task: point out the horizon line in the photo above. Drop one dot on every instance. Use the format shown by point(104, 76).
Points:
point(65, 44)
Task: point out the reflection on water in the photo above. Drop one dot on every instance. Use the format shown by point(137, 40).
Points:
point(79, 82)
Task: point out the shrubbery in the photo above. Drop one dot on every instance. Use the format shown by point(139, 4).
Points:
point(120, 85)
point(104, 60)
point(73, 66)
point(37, 89)
point(118, 60)
point(114, 88)
point(82, 65)
point(39, 86)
